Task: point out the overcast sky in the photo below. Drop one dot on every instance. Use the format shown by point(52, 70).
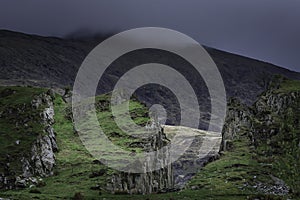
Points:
point(267, 30)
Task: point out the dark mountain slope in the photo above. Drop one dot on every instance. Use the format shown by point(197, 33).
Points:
point(54, 62)
point(244, 77)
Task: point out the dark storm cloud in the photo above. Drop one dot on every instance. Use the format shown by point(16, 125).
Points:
point(264, 29)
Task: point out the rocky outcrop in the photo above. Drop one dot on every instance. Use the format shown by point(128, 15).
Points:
point(276, 103)
point(259, 118)
point(269, 125)
point(39, 161)
point(204, 149)
point(42, 159)
point(238, 119)
point(149, 182)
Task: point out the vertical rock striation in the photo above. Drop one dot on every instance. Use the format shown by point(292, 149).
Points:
point(149, 182)
point(42, 159)
point(28, 167)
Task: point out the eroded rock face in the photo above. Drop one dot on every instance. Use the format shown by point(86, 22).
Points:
point(260, 118)
point(261, 122)
point(238, 118)
point(39, 161)
point(148, 182)
point(42, 158)
point(204, 148)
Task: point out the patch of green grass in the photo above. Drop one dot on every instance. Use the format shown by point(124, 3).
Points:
point(15, 95)
point(229, 176)
point(138, 113)
point(288, 86)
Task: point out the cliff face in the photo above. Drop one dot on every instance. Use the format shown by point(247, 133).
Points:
point(238, 118)
point(174, 176)
point(42, 158)
point(271, 125)
point(266, 113)
point(31, 157)
point(204, 149)
point(161, 180)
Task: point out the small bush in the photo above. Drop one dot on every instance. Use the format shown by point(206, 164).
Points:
point(78, 196)
point(35, 191)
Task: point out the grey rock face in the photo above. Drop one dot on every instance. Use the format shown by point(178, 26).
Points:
point(174, 176)
point(148, 182)
point(276, 103)
point(39, 161)
point(238, 117)
point(42, 157)
point(42, 160)
point(204, 148)
point(258, 122)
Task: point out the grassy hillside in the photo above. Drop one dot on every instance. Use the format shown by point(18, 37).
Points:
point(235, 175)
point(76, 169)
point(247, 166)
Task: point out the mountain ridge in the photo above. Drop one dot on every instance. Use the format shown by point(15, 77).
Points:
point(54, 62)
point(85, 46)
point(100, 36)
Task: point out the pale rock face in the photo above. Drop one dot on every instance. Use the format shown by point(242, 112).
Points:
point(145, 183)
point(174, 176)
point(43, 157)
point(26, 167)
point(42, 152)
point(48, 115)
point(204, 148)
point(40, 159)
